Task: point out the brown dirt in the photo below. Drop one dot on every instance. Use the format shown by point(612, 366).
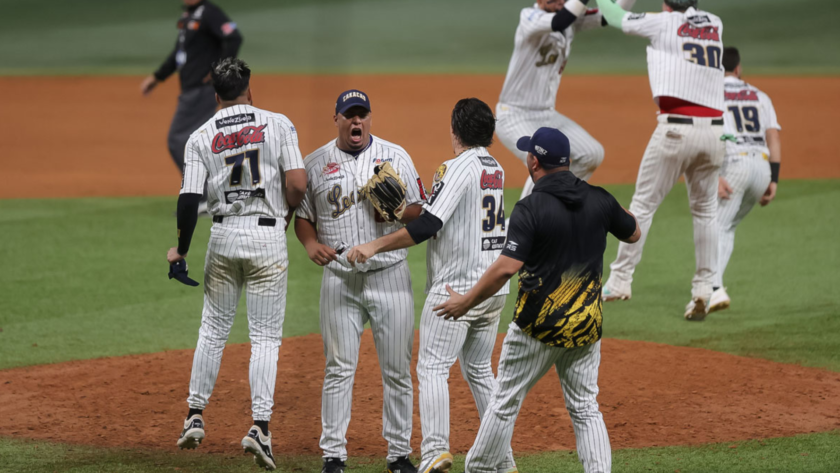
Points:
point(651, 395)
point(96, 136)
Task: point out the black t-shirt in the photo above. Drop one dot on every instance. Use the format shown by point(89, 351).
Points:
point(205, 35)
point(560, 232)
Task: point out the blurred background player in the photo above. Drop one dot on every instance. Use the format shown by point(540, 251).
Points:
point(686, 78)
point(250, 161)
point(750, 169)
point(205, 35)
point(542, 45)
point(556, 241)
point(465, 214)
point(332, 216)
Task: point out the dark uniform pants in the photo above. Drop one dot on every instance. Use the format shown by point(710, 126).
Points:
point(195, 106)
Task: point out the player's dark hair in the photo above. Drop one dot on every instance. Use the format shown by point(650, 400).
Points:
point(231, 77)
point(731, 58)
point(681, 5)
point(473, 123)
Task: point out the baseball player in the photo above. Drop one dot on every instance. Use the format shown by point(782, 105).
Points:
point(686, 78)
point(205, 35)
point(251, 163)
point(541, 50)
point(466, 216)
point(332, 218)
point(750, 171)
point(556, 241)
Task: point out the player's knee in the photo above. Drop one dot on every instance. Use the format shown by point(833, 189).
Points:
point(584, 411)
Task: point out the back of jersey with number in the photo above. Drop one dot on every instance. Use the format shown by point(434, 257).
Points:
point(242, 153)
point(684, 56)
point(749, 114)
point(468, 197)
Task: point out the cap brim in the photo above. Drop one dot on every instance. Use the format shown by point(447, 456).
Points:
point(351, 105)
point(524, 144)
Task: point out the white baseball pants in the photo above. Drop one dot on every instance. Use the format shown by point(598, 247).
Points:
point(525, 360)
point(348, 301)
point(241, 253)
point(470, 340)
point(674, 150)
point(749, 176)
point(513, 123)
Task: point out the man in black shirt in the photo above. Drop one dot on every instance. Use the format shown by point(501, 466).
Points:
point(205, 35)
point(556, 241)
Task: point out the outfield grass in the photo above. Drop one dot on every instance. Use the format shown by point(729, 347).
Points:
point(85, 278)
point(358, 36)
point(815, 453)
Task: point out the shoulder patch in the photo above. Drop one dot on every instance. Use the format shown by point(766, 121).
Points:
point(488, 161)
point(441, 171)
point(636, 16)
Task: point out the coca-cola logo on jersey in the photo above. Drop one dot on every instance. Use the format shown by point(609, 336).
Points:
point(699, 32)
point(492, 180)
point(744, 95)
point(247, 135)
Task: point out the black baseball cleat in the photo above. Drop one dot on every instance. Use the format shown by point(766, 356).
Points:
point(193, 433)
point(401, 465)
point(260, 446)
point(333, 465)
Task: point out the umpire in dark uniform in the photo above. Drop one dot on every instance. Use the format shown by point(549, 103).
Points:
point(205, 35)
point(556, 241)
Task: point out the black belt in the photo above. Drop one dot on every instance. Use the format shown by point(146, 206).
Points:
point(689, 121)
point(263, 222)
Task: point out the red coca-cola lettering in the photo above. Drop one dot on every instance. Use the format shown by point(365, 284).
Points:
point(710, 33)
point(246, 135)
point(743, 95)
point(494, 180)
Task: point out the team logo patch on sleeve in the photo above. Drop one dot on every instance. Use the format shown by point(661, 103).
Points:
point(511, 245)
point(228, 28)
point(441, 171)
point(492, 243)
point(636, 16)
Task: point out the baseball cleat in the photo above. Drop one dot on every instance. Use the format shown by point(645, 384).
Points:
point(509, 470)
point(260, 446)
point(608, 295)
point(719, 300)
point(333, 465)
point(441, 464)
point(401, 465)
point(696, 310)
point(193, 433)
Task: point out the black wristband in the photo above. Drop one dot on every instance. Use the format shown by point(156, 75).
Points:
point(187, 217)
point(774, 172)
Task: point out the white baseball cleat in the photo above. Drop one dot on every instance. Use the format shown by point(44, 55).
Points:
point(193, 432)
point(259, 445)
point(441, 464)
point(697, 309)
point(608, 295)
point(719, 300)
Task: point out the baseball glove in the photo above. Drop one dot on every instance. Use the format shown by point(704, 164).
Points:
point(386, 191)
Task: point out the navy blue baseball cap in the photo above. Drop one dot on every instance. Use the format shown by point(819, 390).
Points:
point(351, 98)
point(549, 145)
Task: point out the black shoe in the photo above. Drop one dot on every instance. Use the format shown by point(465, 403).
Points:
point(402, 465)
point(333, 465)
point(193, 432)
point(260, 446)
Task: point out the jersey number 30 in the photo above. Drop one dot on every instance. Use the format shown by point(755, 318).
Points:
point(493, 218)
point(708, 56)
point(253, 157)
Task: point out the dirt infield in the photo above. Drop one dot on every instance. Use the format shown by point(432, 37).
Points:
point(651, 395)
point(71, 137)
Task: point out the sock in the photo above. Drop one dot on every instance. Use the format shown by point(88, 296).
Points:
point(194, 412)
point(263, 425)
point(716, 288)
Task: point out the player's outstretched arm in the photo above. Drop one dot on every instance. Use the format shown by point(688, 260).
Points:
point(612, 12)
point(497, 275)
point(417, 231)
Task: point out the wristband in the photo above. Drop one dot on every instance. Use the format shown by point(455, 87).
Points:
point(774, 172)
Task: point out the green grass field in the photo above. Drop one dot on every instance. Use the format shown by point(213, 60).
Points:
point(85, 278)
point(379, 36)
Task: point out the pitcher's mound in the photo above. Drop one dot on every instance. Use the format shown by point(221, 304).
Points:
point(651, 394)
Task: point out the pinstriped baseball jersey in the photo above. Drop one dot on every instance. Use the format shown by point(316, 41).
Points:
point(468, 197)
point(242, 153)
point(749, 114)
point(332, 202)
point(684, 56)
point(539, 57)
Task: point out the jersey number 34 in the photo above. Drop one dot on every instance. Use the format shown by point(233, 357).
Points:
point(494, 218)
